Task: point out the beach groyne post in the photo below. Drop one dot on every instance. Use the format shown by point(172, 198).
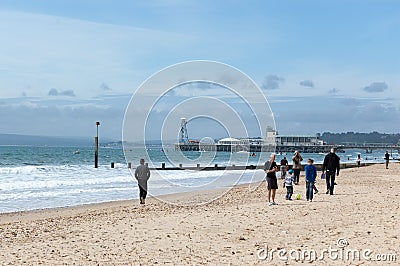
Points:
point(96, 146)
point(129, 165)
point(163, 166)
point(112, 165)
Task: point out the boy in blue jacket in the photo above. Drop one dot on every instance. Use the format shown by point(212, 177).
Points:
point(311, 174)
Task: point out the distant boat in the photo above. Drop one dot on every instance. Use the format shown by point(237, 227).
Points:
point(77, 152)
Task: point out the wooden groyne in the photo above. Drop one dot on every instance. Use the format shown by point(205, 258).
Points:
point(251, 167)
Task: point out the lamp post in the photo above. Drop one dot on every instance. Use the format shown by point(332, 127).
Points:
point(96, 146)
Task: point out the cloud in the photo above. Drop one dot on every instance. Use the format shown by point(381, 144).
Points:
point(376, 87)
point(37, 116)
point(55, 92)
point(200, 88)
point(82, 65)
point(335, 114)
point(333, 91)
point(307, 83)
point(272, 82)
point(105, 87)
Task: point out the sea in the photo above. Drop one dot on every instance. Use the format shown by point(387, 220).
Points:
point(40, 177)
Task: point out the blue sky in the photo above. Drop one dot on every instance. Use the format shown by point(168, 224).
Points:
point(323, 65)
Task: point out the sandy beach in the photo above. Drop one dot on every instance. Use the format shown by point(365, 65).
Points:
point(237, 229)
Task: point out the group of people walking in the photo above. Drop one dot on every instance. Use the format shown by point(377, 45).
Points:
point(291, 177)
point(330, 169)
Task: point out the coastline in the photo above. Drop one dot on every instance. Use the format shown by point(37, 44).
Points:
point(229, 230)
point(40, 214)
point(40, 181)
point(105, 204)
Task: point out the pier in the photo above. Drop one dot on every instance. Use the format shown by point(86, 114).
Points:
point(257, 148)
point(368, 147)
point(273, 142)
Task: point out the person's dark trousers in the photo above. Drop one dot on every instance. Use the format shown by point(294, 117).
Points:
point(296, 175)
point(309, 190)
point(330, 181)
point(142, 192)
point(289, 192)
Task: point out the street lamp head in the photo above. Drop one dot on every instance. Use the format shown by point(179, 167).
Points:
point(97, 123)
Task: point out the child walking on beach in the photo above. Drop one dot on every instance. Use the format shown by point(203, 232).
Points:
point(311, 174)
point(288, 183)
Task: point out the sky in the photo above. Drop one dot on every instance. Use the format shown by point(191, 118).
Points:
point(322, 65)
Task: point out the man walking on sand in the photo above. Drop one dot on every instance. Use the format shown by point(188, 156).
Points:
point(331, 165)
point(387, 158)
point(142, 174)
point(284, 167)
point(270, 168)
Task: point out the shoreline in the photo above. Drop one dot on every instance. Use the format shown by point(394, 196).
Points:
point(38, 214)
point(105, 204)
point(232, 229)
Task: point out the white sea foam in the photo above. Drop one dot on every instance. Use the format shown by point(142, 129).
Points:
point(62, 193)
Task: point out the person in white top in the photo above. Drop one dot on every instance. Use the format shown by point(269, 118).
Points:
point(288, 183)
